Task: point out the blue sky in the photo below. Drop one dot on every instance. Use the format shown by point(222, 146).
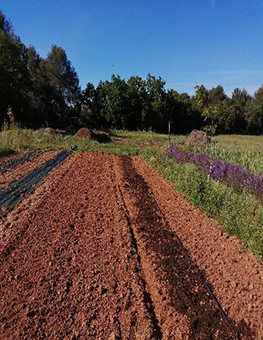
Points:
point(210, 42)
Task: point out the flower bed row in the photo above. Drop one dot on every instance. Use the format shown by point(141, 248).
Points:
point(219, 170)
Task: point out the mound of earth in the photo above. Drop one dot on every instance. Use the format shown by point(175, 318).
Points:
point(50, 131)
point(198, 138)
point(84, 133)
point(100, 136)
point(53, 132)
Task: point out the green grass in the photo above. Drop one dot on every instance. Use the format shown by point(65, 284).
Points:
point(28, 139)
point(240, 142)
point(239, 214)
point(244, 150)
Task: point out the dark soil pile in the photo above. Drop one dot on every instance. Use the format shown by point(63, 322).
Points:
point(198, 138)
point(100, 136)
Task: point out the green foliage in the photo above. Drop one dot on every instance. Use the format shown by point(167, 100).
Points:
point(6, 27)
point(240, 214)
point(40, 91)
point(115, 102)
point(63, 83)
point(14, 77)
point(254, 114)
point(153, 111)
point(182, 112)
point(131, 105)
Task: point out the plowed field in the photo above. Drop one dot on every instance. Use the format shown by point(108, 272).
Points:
point(104, 248)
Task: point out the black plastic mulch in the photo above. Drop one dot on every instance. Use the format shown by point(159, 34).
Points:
point(15, 162)
point(11, 195)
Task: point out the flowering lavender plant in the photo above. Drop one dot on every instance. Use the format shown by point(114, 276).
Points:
point(219, 170)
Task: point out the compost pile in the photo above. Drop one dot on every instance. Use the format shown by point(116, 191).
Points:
point(100, 136)
point(198, 138)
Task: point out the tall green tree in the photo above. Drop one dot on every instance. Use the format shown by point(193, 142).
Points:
point(114, 103)
point(89, 108)
point(154, 114)
point(183, 115)
point(236, 119)
point(37, 89)
point(61, 77)
point(254, 113)
point(136, 96)
point(213, 105)
point(14, 77)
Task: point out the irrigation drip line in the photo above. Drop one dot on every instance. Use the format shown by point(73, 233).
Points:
point(11, 195)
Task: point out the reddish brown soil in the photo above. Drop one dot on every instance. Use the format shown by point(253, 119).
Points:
point(25, 168)
point(92, 254)
point(84, 133)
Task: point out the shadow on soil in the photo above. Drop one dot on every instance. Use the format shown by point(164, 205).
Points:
point(188, 294)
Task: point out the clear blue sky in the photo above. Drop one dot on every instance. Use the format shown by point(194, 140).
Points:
point(210, 42)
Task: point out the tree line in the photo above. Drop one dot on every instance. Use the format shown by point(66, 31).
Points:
point(46, 92)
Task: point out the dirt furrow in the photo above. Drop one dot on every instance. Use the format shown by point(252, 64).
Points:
point(234, 274)
point(157, 333)
point(183, 306)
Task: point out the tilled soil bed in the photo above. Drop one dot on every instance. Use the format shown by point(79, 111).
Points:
point(101, 250)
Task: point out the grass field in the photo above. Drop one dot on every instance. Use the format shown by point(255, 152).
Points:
point(244, 150)
point(239, 213)
point(129, 143)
